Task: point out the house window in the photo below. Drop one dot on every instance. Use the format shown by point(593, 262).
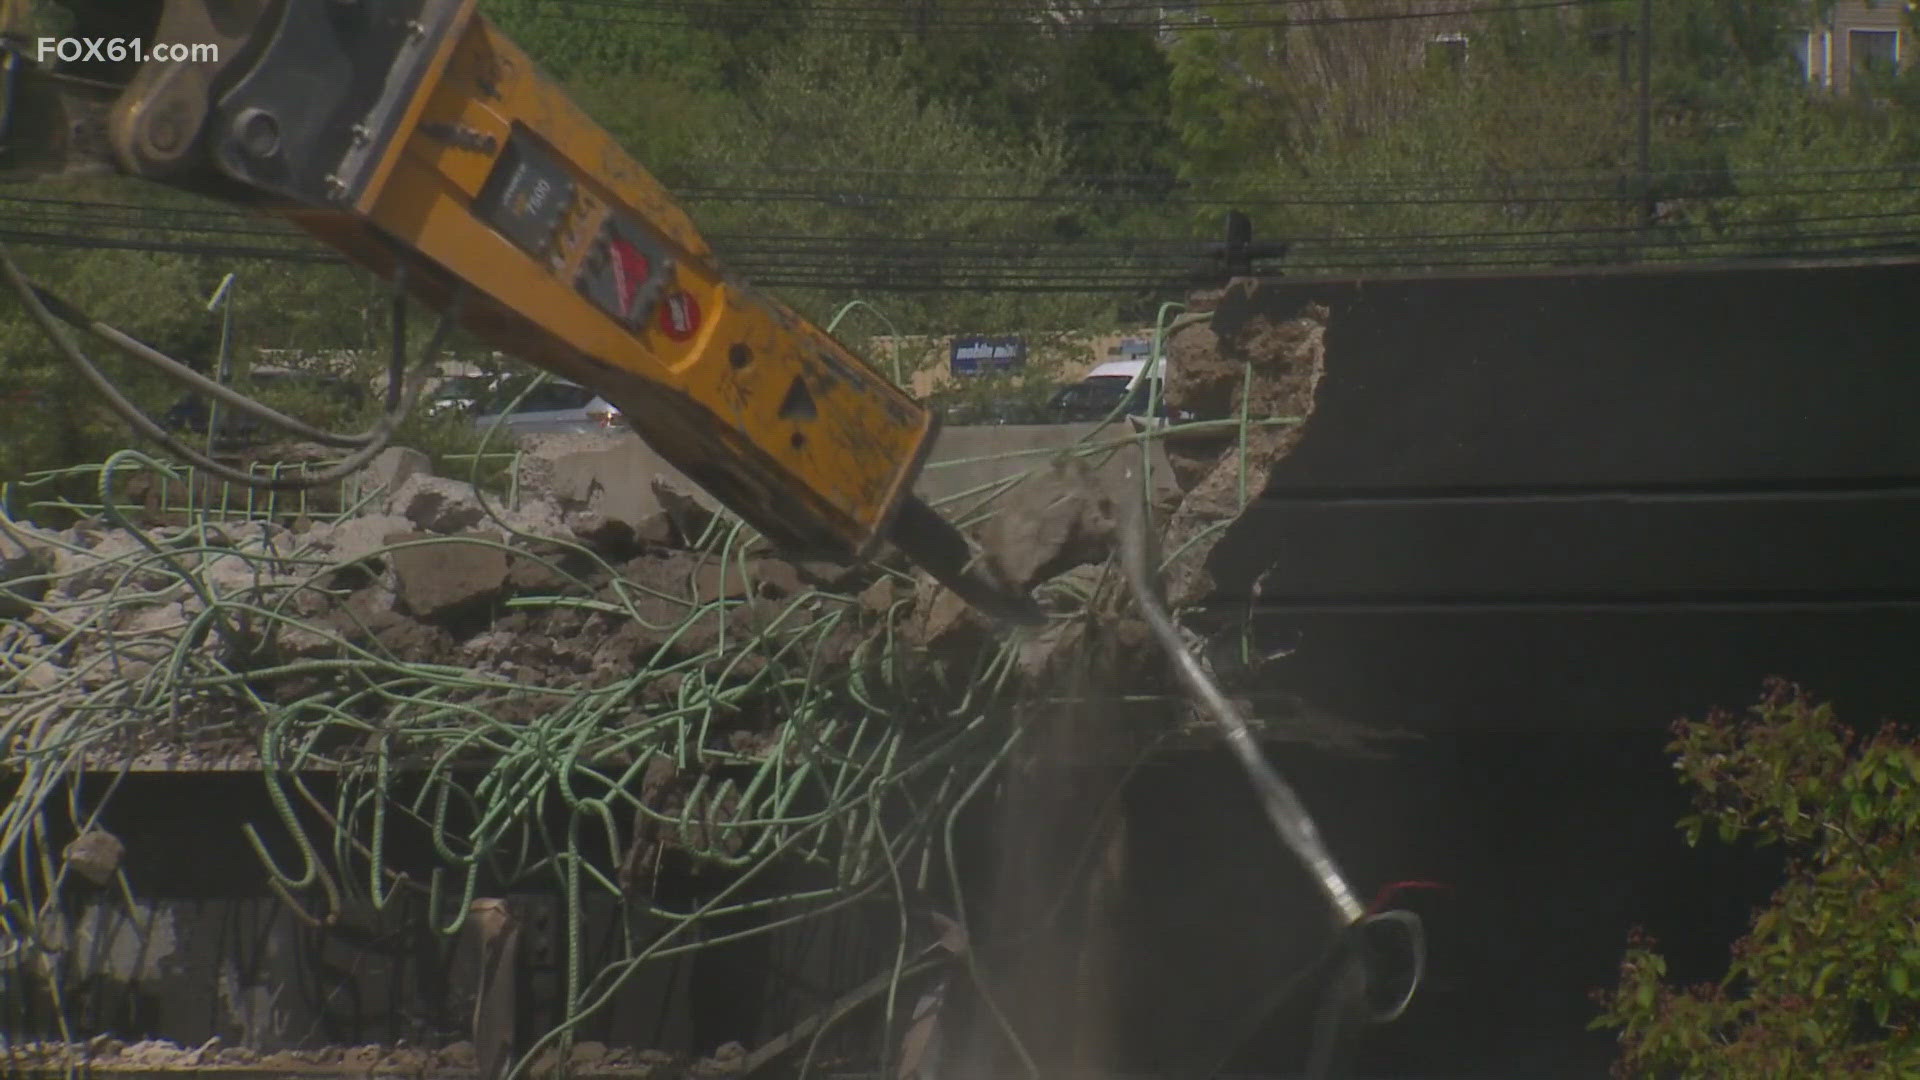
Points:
point(1873, 51)
point(1447, 52)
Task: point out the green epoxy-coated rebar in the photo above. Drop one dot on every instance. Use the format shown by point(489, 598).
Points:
point(865, 768)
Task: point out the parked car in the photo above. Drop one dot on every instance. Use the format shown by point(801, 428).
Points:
point(1113, 389)
point(555, 407)
point(461, 393)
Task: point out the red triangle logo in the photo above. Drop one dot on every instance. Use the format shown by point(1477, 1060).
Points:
point(630, 270)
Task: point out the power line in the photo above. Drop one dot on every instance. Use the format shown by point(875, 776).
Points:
point(1420, 181)
point(85, 215)
point(928, 273)
point(250, 225)
point(853, 199)
point(76, 215)
point(669, 14)
point(1356, 191)
point(1035, 11)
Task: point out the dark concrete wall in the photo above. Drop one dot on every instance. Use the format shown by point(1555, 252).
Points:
point(1534, 520)
point(1594, 500)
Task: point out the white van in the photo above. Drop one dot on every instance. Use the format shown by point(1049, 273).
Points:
point(1105, 388)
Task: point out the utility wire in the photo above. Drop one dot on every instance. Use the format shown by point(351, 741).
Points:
point(947, 246)
point(856, 198)
point(1036, 11)
point(83, 216)
point(906, 22)
point(971, 263)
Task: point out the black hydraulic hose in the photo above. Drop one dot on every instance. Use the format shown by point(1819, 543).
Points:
point(49, 311)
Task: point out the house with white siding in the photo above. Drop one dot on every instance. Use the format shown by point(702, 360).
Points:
point(1858, 35)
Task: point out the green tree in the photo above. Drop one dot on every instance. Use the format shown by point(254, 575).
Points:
point(1827, 980)
point(1530, 150)
point(54, 418)
point(571, 38)
point(834, 111)
point(1281, 81)
point(1111, 93)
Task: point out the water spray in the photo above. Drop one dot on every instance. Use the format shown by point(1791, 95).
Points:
point(1365, 983)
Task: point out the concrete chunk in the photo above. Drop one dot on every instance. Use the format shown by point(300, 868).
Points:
point(18, 540)
point(436, 504)
point(356, 538)
point(95, 855)
point(446, 579)
point(22, 579)
point(392, 468)
point(714, 580)
point(1051, 523)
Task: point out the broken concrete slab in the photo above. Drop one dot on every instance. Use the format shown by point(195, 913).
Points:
point(690, 510)
point(153, 620)
point(445, 577)
point(41, 675)
point(372, 615)
point(19, 539)
point(1286, 360)
point(540, 573)
point(721, 580)
point(617, 536)
point(110, 560)
point(392, 468)
point(23, 580)
point(879, 598)
point(230, 575)
point(1051, 523)
point(942, 621)
point(1199, 382)
point(296, 641)
point(436, 504)
point(95, 855)
point(616, 462)
point(582, 478)
point(774, 578)
point(777, 578)
point(534, 517)
point(356, 539)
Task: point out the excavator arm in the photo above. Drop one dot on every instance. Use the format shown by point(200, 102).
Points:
point(415, 138)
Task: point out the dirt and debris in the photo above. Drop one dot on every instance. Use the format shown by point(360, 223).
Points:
point(23, 581)
point(1209, 375)
point(95, 855)
point(1056, 521)
point(107, 1056)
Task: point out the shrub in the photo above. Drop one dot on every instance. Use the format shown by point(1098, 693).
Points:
point(1826, 980)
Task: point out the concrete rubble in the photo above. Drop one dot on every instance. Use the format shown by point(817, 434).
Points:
point(108, 1056)
point(431, 573)
point(592, 579)
point(590, 571)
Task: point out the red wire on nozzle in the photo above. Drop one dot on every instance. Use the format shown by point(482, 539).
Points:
point(1387, 894)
